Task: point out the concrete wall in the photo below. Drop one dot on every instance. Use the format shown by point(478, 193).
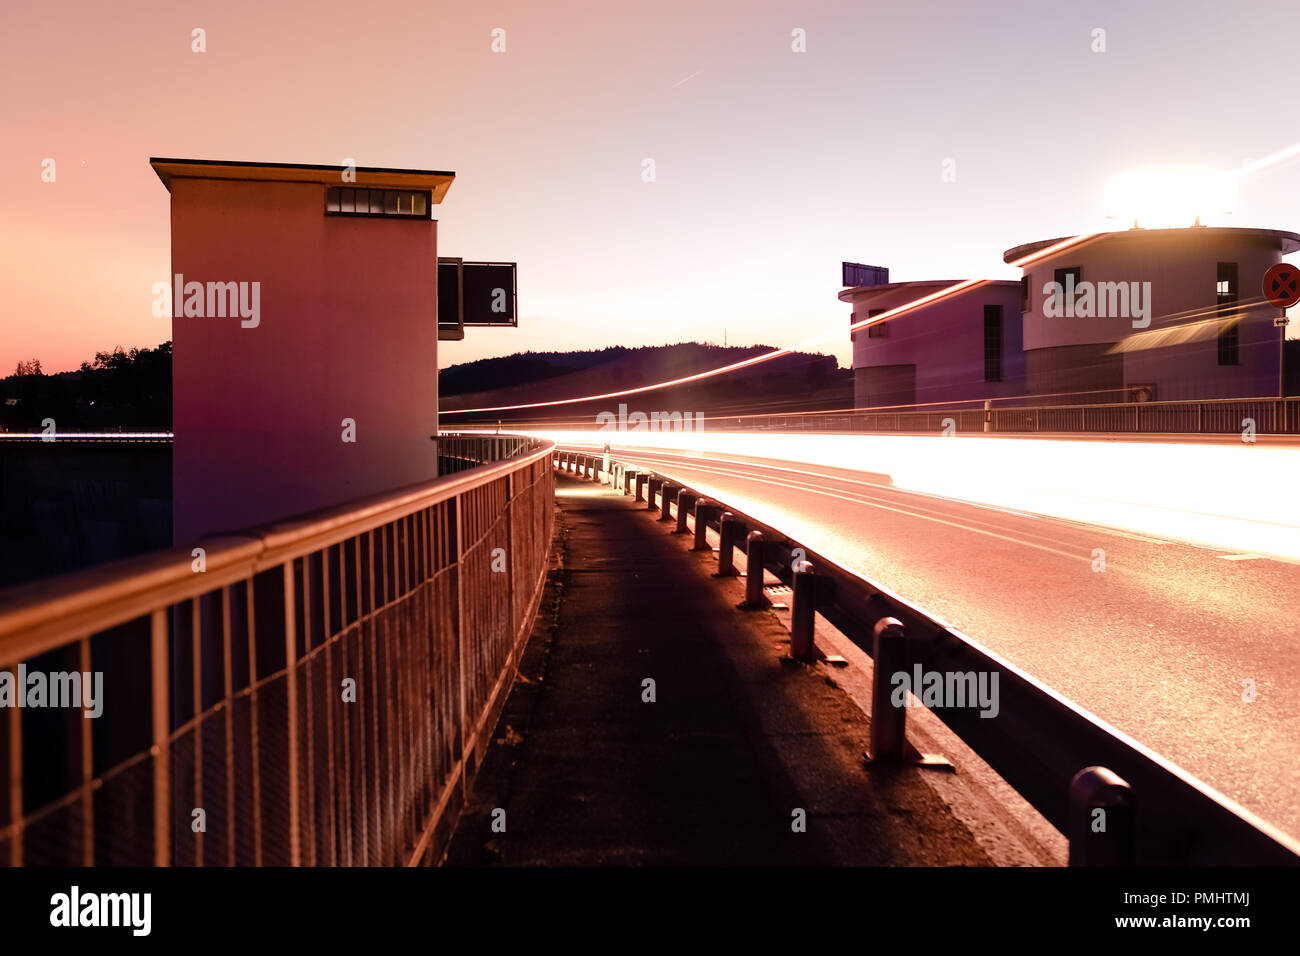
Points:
point(348, 329)
point(1181, 265)
point(944, 341)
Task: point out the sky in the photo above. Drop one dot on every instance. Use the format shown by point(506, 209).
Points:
point(926, 137)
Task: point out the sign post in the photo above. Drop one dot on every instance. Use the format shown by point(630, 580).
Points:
point(1281, 287)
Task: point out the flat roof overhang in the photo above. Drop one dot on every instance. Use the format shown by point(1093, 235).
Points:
point(437, 182)
point(1289, 242)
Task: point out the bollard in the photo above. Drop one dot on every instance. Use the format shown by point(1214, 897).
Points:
point(730, 528)
point(651, 487)
point(668, 496)
point(685, 502)
point(704, 510)
point(804, 603)
point(888, 723)
point(755, 548)
point(641, 479)
point(1102, 822)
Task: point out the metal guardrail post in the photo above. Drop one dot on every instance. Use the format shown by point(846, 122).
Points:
point(652, 486)
point(685, 503)
point(1102, 822)
point(755, 548)
point(730, 528)
point(668, 494)
point(704, 510)
point(888, 723)
point(629, 480)
point(641, 479)
point(802, 611)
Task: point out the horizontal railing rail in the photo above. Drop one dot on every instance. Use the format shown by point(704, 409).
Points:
point(1039, 740)
point(315, 691)
point(1265, 416)
point(458, 452)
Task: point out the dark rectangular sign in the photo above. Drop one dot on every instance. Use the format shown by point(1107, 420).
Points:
point(450, 319)
point(857, 273)
point(488, 294)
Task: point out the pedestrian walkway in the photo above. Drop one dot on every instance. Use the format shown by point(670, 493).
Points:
point(655, 722)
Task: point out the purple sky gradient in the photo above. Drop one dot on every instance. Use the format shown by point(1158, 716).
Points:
point(772, 166)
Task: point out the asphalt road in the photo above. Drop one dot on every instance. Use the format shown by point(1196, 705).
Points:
point(1159, 644)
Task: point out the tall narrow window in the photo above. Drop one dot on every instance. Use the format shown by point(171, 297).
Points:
point(1225, 293)
point(880, 330)
point(1068, 279)
point(992, 343)
point(1024, 292)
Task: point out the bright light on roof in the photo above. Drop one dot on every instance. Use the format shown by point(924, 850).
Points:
point(1171, 197)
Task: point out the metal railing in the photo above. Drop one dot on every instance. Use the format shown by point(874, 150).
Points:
point(317, 691)
point(1039, 742)
point(1220, 416)
point(457, 452)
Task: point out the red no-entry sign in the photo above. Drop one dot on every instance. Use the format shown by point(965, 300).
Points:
point(1281, 285)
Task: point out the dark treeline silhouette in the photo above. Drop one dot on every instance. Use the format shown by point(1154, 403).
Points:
point(122, 389)
point(801, 381)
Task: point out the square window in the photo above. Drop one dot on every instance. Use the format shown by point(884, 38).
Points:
point(347, 199)
point(420, 204)
point(332, 199)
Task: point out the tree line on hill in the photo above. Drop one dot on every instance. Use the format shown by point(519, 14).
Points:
point(126, 389)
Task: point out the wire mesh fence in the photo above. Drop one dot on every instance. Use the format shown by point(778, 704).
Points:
point(317, 692)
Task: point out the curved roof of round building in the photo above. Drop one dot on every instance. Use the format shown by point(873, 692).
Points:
point(1289, 241)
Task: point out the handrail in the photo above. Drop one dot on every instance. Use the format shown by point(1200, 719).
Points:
point(322, 687)
point(38, 616)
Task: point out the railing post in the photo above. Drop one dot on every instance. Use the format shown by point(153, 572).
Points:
point(654, 485)
point(888, 722)
point(685, 503)
point(755, 548)
point(704, 510)
point(629, 479)
point(667, 494)
point(802, 611)
point(730, 528)
point(1102, 821)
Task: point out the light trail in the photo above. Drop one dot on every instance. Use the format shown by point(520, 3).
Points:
point(957, 288)
point(1233, 497)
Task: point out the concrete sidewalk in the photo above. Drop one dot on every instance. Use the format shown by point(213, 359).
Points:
point(735, 748)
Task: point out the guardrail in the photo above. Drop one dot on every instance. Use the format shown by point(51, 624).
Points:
point(1046, 747)
point(1219, 417)
point(317, 691)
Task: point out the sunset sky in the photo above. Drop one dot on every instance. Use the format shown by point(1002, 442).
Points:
point(771, 166)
